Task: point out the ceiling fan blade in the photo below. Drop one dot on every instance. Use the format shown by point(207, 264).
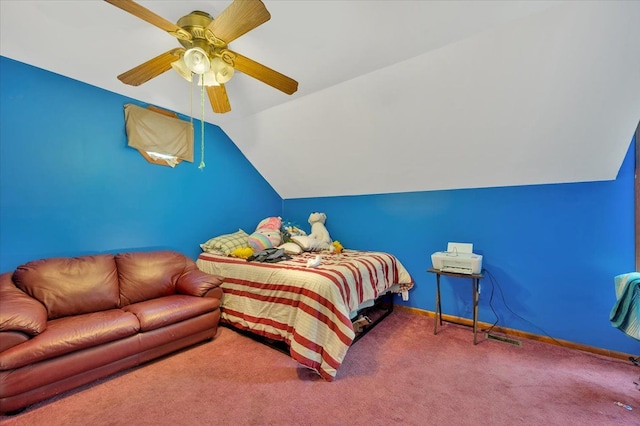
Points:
point(219, 99)
point(150, 69)
point(260, 72)
point(145, 14)
point(238, 18)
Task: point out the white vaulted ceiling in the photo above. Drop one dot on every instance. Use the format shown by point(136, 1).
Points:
point(394, 96)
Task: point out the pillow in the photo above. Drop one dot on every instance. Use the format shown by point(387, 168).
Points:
point(309, 244)
point(225, 244)
point(291, 248)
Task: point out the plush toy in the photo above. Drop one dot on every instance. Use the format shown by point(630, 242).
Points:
point(242, 252)
point(271, 223)
point(289, 229)
point(295, 231)
point(318, 230)
point(314, 262)
point(266, 235)
point(337, 246)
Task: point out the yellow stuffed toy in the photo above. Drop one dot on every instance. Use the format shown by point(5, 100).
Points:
point(337, 246)
point(242, 252)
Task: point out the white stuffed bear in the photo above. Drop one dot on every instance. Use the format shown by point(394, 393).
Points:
point(318, 230)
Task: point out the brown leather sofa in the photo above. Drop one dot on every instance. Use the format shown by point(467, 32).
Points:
point(65, 322)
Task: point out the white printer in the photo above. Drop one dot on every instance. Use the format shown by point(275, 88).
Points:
point(459, 258)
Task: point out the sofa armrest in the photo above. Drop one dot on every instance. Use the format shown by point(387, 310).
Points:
point(215, 293)
point(9, 339)
point(20, 312)
point(195, 282)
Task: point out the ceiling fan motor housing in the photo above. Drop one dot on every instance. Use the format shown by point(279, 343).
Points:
point(196, 23)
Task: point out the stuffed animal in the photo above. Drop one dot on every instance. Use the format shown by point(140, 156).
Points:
point(318, 230)
point(337, 246)
point(289, 229)
point(242, 252)
point(314, 262)
point(266, 235)
point(271, 224)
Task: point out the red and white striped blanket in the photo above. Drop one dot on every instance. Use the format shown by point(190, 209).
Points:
point(308, 308)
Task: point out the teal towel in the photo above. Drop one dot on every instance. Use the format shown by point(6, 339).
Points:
point(625, 314)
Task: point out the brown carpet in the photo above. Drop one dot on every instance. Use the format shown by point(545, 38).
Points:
point(399, 373)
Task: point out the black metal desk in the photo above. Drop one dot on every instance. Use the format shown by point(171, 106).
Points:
point(475, 287)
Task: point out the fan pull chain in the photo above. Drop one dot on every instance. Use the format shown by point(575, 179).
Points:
point(201, 166)
point(191, 103)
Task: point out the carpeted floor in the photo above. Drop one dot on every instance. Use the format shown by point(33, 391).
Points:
point(400, 373)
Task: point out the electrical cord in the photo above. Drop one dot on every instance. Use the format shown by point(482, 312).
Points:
point(494, 285)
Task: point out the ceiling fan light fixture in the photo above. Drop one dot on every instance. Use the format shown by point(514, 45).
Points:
point(181, 68)
point(197, 60)
point(208, 79)
point(223, 71)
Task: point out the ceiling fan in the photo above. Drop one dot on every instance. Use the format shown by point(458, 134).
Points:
point(205, 52)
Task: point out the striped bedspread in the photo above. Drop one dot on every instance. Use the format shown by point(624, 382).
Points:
point(308, 308)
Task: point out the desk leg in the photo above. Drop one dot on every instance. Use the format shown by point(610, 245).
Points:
point(476, 297)
point(438, 307)
point(439, 301)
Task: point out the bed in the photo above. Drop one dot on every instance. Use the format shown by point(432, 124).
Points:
point(310, 309)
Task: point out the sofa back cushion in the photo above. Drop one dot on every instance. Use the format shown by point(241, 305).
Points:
point(72, 285)
point(148, 275)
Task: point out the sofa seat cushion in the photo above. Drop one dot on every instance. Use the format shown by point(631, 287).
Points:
point(71, 334)
point(160, 312)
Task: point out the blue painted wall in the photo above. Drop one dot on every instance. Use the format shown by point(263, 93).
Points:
point(69, 185)
point(551, 251)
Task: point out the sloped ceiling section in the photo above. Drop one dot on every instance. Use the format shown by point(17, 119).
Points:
point(549, 98)
point(394, 96)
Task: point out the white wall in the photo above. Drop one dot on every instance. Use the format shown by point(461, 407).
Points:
point(554, 97)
